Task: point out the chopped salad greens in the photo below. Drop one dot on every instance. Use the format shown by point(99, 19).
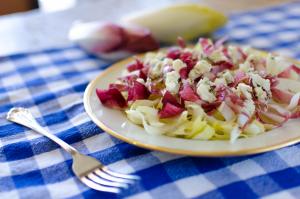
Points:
point(209, 91)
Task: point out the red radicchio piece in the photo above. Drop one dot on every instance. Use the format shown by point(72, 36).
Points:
point(111, 98)
point(239, 77)
point(295, 114)
point(244, 55)
point(208, 48)
point(174, 53)
point(225, 52)
point(273, 80)
point(235, 99)
point(181, 42)
point(183, 72)
point(170, 110)
point(187, 57)
point(137, 65)
point(208, 107)
point(137, 91)
point(169, 98)
point(129, 79)
point(143, 75)
point(221, 93)
point(188, 94)
point(287, 72)
point(221, 66)
point(120, 87)
point(281, 96)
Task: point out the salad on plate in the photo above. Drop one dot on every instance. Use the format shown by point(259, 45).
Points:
point(209, 91)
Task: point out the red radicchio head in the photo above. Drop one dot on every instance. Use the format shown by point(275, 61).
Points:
point(111, 98)
point(139, 39)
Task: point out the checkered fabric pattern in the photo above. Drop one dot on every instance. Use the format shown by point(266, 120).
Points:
point(51, 83)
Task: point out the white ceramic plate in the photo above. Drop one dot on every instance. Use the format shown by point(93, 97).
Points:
point(115, 123)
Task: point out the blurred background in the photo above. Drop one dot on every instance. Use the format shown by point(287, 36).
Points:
point(33, 24)
point(12, 6)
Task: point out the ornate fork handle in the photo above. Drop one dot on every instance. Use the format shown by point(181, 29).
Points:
point(24, 117)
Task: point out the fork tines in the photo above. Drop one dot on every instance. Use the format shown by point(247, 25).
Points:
point(102, 179)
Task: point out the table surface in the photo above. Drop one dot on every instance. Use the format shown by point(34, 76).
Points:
point(34, 30)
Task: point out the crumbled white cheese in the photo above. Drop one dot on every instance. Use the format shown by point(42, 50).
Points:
point(198, 52)
point(246, 67)
point(245, 90)
point(155, 68)
point(276, 64)
point(178, 64)
point(228, 77)
point(167, 62)
point(149, 56)
point(234, 54)
point(204, 90)
point(220, 81)
point(260, 94)
point(160, 55)
point(217, 56)
point(171, 82)
point(249, 107)
point(257, 81)
point(148, 83)
point(200, 68)
point(246, 112)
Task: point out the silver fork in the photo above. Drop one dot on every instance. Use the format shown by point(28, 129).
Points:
point(89, 170)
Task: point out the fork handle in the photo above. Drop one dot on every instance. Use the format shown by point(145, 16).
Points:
point(24, 117)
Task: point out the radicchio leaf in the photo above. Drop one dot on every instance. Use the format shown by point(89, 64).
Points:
point(188, 94)
point(221, 66)
point(187, 57)
point(173, 53)
point(137, 65)
point(120, 87)
point(137, 91)
point(181, 42)
point(169, 98)
point(170, 110)
point(281, 96)
point(207, 47)
point(287, 72)
point(112, 98)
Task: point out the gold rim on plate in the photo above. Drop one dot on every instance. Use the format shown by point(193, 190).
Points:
point(224, 153)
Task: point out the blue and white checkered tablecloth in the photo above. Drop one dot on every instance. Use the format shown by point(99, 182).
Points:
point(51, 83)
